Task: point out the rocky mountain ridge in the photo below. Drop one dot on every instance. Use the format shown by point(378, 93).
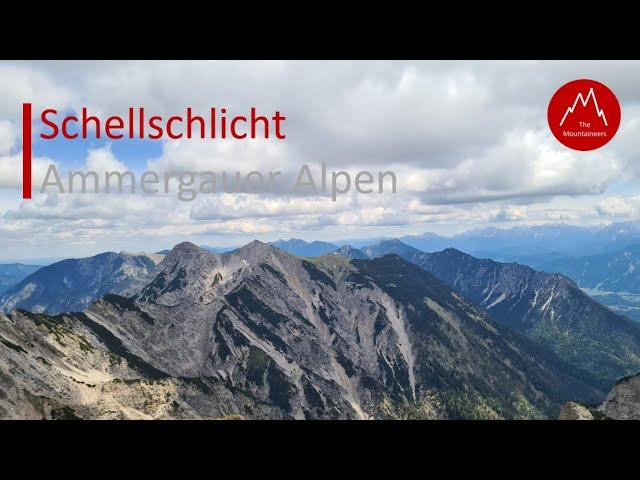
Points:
point(548, 308)
point(260, 333)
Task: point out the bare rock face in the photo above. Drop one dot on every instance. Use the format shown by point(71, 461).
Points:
point(623, 402)
point(574, 411)
point(260, 333)
point(67, 367)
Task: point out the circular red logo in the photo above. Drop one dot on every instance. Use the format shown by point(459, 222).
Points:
point(584, 114)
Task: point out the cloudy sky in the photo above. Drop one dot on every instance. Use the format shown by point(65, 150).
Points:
point(469, 143)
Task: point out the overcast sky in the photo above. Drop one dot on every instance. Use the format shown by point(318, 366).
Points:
point(469, 143)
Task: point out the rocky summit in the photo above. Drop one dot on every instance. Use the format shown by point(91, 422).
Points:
point(260, 333)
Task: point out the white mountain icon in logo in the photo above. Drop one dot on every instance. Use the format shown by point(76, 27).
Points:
point(584, 101)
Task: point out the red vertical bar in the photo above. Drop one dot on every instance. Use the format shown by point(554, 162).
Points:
point(26, 150)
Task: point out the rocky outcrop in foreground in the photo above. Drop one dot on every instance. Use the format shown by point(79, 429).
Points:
point(622, 403)
point(575, 411)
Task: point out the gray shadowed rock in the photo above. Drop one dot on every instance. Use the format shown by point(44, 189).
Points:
point(68, 367)
point(186, 273)
point(548, 308)
point(623, 402)
point(260, 333)
point(71, 285)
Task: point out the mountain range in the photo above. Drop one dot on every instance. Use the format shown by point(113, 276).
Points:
point(295, 246)
point(612, 278)
point(381, 331)
point(548, 308)
point(522, 241)
point(71, 285)
point(602, 260)
point(261, 333)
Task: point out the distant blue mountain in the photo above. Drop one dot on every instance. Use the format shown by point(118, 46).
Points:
point(518, 242)
point(72, 284)
point(13, 273)
point(305, 249)
point(215, 249)
point(388, 247)
point(617, 271)
point(362, 242)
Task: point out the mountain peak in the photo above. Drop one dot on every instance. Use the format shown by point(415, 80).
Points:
point(186, 247)
point(255, 247)
point(184, 252)
point(391, 246)
point(454, 251)
point(255, 244)
point(350, 252)
point(252, 251)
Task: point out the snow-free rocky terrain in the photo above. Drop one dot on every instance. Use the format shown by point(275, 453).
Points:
point(260, 333)
point(550, 309)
